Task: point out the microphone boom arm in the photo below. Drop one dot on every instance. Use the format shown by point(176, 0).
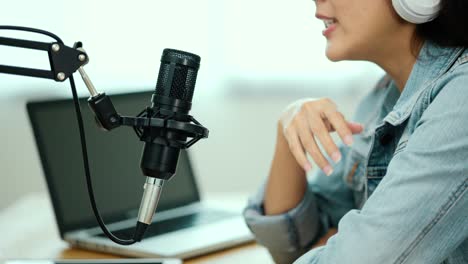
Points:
point(64, 61)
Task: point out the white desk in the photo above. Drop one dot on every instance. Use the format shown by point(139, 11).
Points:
point(29, 231)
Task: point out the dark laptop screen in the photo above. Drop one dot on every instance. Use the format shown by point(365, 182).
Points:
point(114, 160)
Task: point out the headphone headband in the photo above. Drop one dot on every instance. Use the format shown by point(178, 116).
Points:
point(417, 11)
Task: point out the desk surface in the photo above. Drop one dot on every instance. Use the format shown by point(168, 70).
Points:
point(29, 231)
point(251, 252)
point(36, 236)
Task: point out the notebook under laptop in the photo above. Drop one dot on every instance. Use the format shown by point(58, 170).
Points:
point(183, 225)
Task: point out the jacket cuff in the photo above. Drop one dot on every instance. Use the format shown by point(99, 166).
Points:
point(292, 232)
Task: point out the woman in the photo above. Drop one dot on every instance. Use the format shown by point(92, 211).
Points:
point(396, 188)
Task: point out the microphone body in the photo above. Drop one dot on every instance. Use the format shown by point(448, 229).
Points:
point(171, 101)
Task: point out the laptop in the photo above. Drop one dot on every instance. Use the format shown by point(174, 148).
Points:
point(183, 226)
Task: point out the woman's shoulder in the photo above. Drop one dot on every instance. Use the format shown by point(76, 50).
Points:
point(454, 81)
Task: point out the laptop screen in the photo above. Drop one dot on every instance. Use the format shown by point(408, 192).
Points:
point(114, 159)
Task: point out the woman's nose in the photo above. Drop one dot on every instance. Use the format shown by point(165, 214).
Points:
point(318, 1)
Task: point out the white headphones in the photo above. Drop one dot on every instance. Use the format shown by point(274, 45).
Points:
point(417, 11)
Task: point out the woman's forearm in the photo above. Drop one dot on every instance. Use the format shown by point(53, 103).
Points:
point(286, 183)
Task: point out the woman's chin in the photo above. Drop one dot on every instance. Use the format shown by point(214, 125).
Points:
point(333, 55)
point(336, 53)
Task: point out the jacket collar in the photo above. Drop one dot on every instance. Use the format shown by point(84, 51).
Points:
point(433, 61)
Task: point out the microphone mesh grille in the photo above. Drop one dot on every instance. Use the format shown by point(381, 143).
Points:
point(182, 84)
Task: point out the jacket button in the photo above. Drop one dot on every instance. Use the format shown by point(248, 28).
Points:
point(385, 139)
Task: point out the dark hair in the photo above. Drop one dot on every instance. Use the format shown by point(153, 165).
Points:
point(450, 27)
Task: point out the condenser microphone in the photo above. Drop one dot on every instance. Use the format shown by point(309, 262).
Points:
point(171, 102)
point(164, 127)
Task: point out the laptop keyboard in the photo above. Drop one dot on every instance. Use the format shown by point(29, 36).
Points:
point(177, 223)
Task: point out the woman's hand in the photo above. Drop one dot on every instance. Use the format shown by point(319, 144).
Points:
point(306, 120)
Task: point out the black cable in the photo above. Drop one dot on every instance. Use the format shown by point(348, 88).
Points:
point(83, 141)
point(87, 170)
point(33, 30)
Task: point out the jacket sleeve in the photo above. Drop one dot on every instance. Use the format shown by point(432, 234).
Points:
point(288, 236)
point(418, 212)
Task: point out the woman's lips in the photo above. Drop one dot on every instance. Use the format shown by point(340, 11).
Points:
point(326, 32)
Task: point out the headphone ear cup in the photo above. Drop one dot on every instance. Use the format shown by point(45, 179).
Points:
point(417, 11)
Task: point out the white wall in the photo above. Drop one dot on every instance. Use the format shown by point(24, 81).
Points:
point(256, 58)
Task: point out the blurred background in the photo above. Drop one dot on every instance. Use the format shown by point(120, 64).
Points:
point(257, 57)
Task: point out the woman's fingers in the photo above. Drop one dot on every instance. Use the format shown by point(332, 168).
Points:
point(320, 130)
point(307, 122)
point(297, 150)
point(338, 122)
point(308, 141)
point(356, 128)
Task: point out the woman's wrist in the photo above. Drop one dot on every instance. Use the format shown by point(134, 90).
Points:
point(287, 182)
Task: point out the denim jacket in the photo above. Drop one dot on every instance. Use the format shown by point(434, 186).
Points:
point(399, 194)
